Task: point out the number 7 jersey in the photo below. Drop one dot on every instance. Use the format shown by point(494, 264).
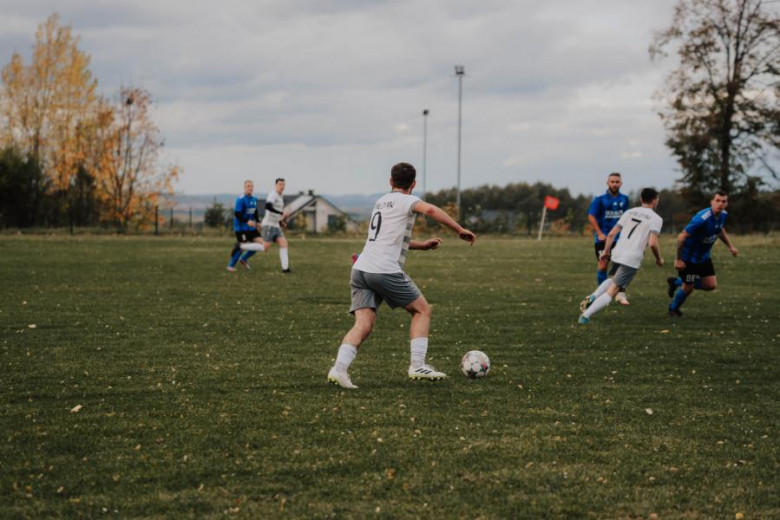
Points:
point(636, 225)
point(389, 234)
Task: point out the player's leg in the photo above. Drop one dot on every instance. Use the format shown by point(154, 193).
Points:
point(284, 258)
point(418, 334)
point(707, 283)
point(617, 284)
point(365, 302)
point(235, 254)
point(695, 276)
point(251, 248)
point(364, 324)
point(603, 263)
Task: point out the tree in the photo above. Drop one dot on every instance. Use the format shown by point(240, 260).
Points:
point(128, 173)
point(723, 102)
point(215, 215)
point(43, 103)
point(22, 190)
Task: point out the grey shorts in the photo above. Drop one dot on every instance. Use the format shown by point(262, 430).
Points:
point(623, 275)
point(369, 290)
point(272, 233)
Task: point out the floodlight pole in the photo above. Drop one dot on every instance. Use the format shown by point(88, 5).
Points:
point(425, 149)
point(460, 71)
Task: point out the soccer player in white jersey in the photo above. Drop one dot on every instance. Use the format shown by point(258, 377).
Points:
point(640, 228)
point(273, 221)
point(378, 275)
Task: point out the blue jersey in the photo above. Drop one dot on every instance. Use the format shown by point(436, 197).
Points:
point(246, 207)
point(607, 210)
point(704, 230)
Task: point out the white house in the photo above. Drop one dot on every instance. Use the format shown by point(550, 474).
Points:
point(320, 213)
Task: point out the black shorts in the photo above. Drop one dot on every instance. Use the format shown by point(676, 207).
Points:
point(247, 236)
point(599, 247)
point(696, 270)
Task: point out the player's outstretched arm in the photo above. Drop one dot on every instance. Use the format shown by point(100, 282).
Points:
point(438, 214)
point(655, 247)
point(724, 237)
point(425, 245)
point(611, 240)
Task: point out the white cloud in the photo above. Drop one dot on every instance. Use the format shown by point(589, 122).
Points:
point(330, 93)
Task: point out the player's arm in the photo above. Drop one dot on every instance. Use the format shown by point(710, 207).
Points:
point(611, 240)
point(270, 207)
point(724, 237)
point(425, 245)
point(596, 228)
point(593, 211)
point(655, 247)
point(681, 238)
point(438, 214)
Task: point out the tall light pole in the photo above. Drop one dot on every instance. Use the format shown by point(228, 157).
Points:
point(460, 71)
point(425, 148)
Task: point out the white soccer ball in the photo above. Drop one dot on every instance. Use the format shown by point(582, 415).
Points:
point(475, 364)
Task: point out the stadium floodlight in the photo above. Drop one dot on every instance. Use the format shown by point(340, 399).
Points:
point(460, 71)
point(425, 148)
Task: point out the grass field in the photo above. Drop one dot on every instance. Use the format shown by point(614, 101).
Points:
point(203, 393)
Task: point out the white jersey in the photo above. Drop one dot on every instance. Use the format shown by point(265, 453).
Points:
point(272, 219)
point(389, 234)
point(636, 225)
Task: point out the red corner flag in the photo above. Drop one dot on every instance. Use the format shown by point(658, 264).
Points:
point(551, 203)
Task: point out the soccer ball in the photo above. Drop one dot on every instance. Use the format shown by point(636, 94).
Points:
point(475, 364)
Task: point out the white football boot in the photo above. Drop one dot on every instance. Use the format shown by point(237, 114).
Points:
point(621, 298)
point(340, 379)
point(426, 372)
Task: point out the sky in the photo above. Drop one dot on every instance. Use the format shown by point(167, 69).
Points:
point(329, 94)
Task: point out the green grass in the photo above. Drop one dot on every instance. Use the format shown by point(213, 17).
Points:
point(203, 394)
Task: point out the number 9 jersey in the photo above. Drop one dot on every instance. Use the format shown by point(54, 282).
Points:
point(389, 234)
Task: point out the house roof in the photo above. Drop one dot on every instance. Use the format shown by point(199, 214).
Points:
point(302, 201)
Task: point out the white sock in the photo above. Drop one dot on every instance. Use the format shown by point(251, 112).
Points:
point(600, 302)
point(419, 349)
point(605, 285)
point(345, 357)
point(284, 258)
point(252, 246)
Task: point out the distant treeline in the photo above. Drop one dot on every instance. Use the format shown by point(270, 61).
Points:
point(517, 209)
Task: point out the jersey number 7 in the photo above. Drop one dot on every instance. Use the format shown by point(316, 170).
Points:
point(635, 226)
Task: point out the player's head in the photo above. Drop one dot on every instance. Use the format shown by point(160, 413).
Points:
point(614, 182)
point(249, 187)
point(719, 201)
point(403, 176)
point(649, 197)
point(279, 185)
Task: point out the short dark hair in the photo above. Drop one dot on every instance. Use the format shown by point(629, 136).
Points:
point(722, 193)
point(648, 195)
point(403, 175)
point(614, 174)
point(277, 181)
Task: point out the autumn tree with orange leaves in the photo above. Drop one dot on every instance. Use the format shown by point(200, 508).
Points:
point(51, 113)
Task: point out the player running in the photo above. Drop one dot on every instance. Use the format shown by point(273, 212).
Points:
point(694, 244)
point(248, 241)
point(273, 221)
point(378, 275)
point(604, 212)
point(641, 227)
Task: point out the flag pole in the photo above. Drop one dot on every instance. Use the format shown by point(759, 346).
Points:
point(541, 224)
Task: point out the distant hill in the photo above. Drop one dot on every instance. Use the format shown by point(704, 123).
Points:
point(358, 207)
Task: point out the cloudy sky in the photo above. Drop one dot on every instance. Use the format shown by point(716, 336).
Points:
point(330, 93)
